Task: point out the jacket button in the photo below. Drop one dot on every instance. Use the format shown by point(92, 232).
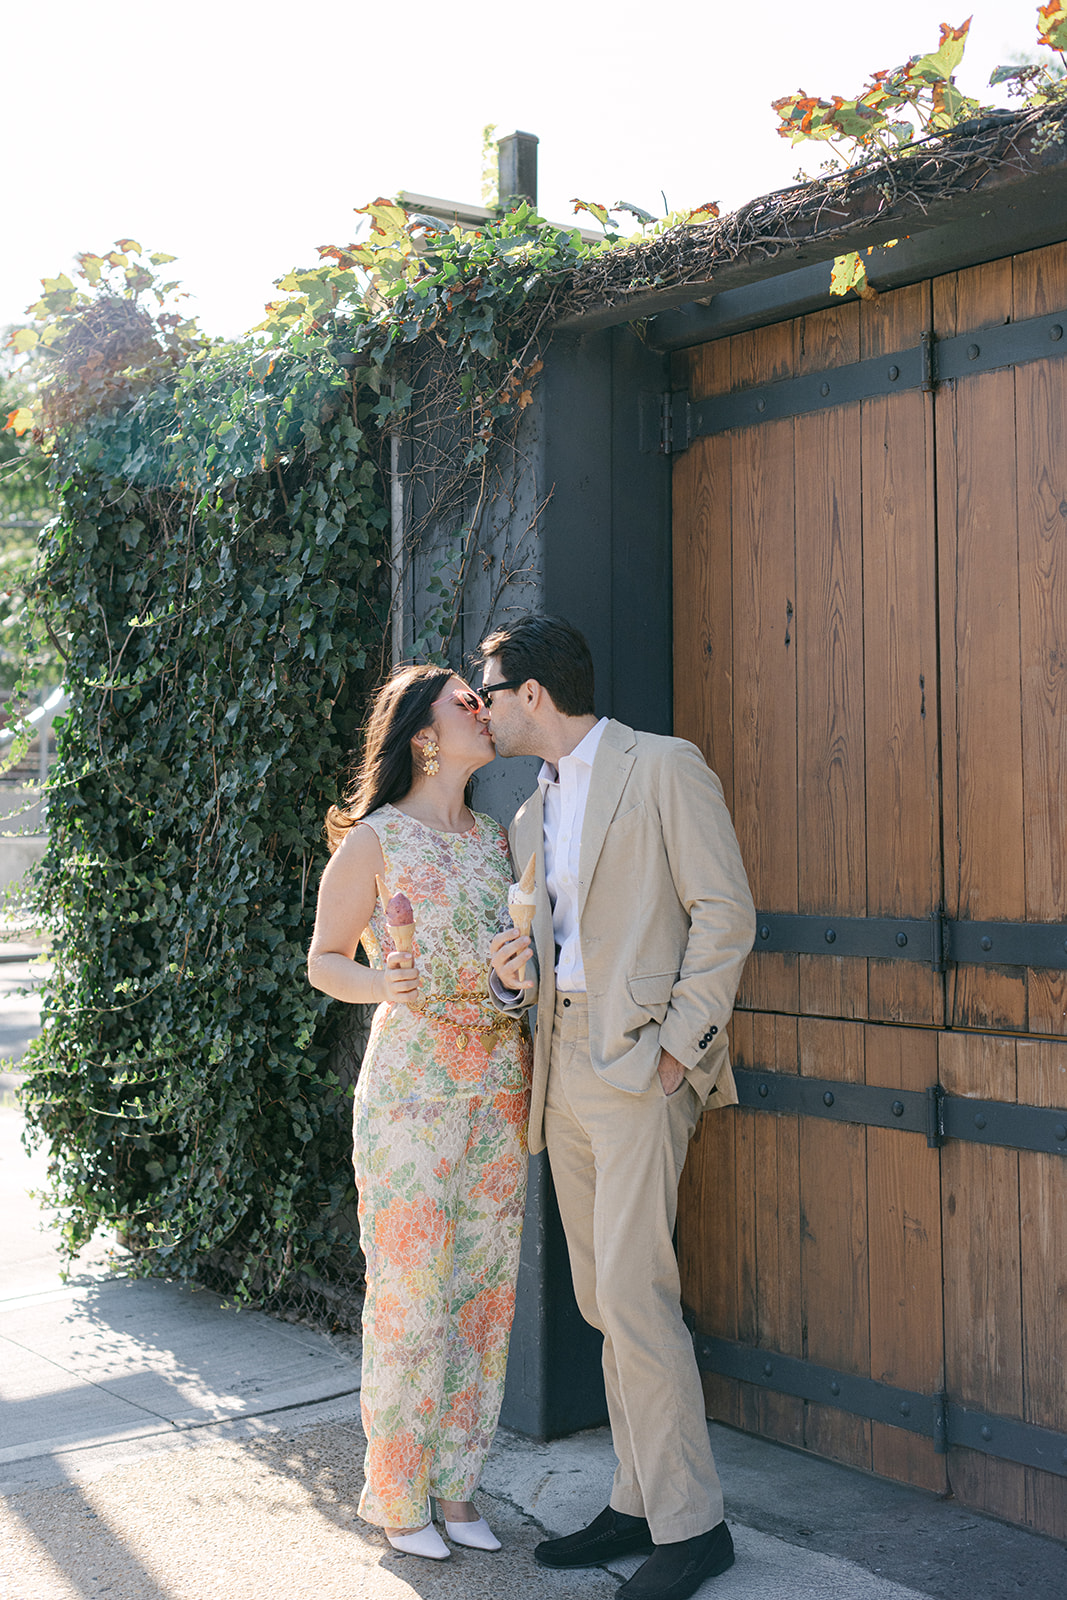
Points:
point(712, 1031)
point(566, 1002)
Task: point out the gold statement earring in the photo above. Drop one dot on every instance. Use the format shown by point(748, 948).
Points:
point(430, 764)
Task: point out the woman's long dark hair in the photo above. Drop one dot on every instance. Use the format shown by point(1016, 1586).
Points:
point(386, 772)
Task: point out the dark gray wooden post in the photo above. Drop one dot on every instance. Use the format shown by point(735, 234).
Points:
point(517, 168)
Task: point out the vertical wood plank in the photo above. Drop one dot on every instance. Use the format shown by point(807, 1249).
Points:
point(747, 1292)
point(1040, 285)
point(781, 1322)
point(834, 1249)
point(765, 726)
point(903, 816)
point(1042, 1081)
point(832, 867)
point(946, 459)
point(703, 610)
point(984, 863)
point(983, 1279)
point(904, 1208)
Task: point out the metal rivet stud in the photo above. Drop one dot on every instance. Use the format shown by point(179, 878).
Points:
point(1055, 332)
point(835, 1387)
point(768, 1369)
point(827, 1099)
point(905, 1409)
point(979, 1121)
point(902, 939)
point(830, 935)
point(824, 388)
point(765, 932)
point(764, 1091)
point(761, 405)
point(1060, 1130)
point(986, 942)
point(898, 1108)
point(986, 1432)
point(973, 352)
point(894, 374)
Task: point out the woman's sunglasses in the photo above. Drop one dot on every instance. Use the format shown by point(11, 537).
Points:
point(470, 701)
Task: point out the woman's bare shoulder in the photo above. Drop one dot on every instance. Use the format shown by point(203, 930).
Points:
point(359, 851)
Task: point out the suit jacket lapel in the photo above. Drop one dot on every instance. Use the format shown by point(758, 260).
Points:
point(611, 768)
point(530, 835)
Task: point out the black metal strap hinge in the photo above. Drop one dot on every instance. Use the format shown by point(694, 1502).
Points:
point(931, 1112)
point(934, 941)
point(925, 365)
point(935, 1416)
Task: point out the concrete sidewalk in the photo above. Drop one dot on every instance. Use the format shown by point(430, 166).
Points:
point(156, 1445)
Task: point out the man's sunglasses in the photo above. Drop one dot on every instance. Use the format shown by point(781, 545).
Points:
point(490, 689)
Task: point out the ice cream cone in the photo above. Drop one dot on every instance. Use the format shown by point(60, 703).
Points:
point(522, 903)
point(402, 929)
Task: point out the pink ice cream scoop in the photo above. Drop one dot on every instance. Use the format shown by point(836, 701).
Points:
point(398, 911)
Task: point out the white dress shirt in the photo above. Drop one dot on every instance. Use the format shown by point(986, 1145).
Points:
point(564, 792)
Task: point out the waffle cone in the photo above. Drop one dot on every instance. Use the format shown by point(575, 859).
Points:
point(403, 937)
point(522, 916)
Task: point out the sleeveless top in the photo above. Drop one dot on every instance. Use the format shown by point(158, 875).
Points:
point(453, 1040)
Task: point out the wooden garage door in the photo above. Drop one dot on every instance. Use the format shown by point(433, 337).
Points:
point(871, 649)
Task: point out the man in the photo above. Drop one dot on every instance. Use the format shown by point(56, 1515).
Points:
point(642, 926)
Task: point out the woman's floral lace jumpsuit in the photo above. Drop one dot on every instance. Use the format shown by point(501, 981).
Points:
point(441, 1109)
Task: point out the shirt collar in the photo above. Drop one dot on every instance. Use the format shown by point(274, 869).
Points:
point(585, 751)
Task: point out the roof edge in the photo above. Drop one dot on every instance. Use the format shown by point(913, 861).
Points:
point(990, 176)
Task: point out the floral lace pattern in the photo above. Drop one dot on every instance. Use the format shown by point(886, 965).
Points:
point(455, 1041)
point(440, 1163)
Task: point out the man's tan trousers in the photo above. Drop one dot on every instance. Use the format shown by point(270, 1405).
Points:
point(616, 1161)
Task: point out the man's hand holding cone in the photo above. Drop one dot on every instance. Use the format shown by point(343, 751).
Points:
point(522, 903)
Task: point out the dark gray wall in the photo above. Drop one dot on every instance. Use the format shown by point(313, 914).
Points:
point(607, 534)
point(578, 523)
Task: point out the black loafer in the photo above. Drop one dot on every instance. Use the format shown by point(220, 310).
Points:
point(676, 1571)
point(611, 1534)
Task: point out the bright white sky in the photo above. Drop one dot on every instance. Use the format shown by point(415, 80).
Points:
point(238, 134)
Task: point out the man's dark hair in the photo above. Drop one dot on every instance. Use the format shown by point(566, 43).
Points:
point(549, 650)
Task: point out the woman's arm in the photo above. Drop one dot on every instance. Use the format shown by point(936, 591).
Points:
point(346, 902)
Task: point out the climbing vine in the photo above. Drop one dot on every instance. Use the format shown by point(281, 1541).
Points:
point(898, 109)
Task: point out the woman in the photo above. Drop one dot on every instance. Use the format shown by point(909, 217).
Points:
point(440, 1108)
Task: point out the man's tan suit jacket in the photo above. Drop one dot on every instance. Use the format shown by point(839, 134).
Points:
point(665, 918)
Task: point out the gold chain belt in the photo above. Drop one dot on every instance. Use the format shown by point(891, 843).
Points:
point(492, 1031)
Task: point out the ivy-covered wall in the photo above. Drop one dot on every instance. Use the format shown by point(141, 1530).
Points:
point(219, 639)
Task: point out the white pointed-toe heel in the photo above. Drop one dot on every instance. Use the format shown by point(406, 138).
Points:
point(424, 1541)
point(475, 1535)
